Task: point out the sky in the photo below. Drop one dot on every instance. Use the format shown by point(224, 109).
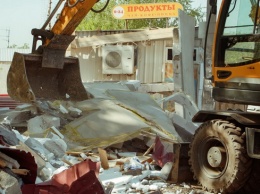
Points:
point(19, 17)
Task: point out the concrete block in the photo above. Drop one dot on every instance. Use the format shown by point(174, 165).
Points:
point(16, 117)
point(11, 163)
point(37, 146)
point(9, 136)
point(56, 146)
point(39, 160)
point(46, 172)
point(63, 109)
point(39, 124)
point(27, 107)
point(114, 175)
point(9, 184)
point(133, 85)
point(74, 112)
point(57, 132)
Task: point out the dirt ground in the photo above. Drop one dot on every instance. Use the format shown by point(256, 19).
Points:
point(183, 188)
point(179, 189)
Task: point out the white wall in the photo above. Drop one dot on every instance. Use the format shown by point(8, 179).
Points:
point(149, 63)
point(3, 75)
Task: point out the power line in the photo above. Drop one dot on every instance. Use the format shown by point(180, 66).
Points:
point(6, 36)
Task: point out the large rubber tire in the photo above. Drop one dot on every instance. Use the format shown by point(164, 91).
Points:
point(218, 157)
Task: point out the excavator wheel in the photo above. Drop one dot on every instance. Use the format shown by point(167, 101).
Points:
point(218, 157)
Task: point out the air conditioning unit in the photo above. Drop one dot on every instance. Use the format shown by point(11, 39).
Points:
point(118, 59)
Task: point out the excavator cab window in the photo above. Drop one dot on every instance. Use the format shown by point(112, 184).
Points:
point(239, 34)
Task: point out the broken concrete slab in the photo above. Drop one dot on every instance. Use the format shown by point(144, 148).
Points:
point(15, 117)
point(74, 112)
point(8, 136)
point(114, 175)
point(37, 125)
point(38, 147)
point(56, 146)
point(9, 184)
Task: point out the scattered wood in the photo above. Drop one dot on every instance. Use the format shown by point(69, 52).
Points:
point(20, 171)
point(2, 163)
point(103, 158)
point(149, 149)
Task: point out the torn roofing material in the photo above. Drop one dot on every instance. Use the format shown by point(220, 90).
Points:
point(25, 161)
point(80, 178)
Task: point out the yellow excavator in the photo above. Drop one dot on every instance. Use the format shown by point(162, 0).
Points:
point(225, 149)
point(46, 73)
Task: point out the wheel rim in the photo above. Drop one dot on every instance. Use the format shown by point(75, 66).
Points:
point(213, 157)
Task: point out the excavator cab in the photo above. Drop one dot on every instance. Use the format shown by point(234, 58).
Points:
point(46, 74)
point(236, 54)
point(225, 149)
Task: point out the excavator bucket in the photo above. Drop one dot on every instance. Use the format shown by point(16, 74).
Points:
point(28, 80)
point(46, 76)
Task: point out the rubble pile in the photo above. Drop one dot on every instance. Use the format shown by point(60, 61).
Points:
point(118, 142)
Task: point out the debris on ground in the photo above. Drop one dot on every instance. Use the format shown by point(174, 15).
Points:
point(120, 141)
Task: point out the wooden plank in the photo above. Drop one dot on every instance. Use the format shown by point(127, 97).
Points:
point(145, 35)
point(20, 171)
point(149, 149)
point(103, 158)
point(3, 163)
point(174, 175)
point(180, 171)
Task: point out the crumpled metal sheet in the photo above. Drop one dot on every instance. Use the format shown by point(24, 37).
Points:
point(143, 105)
point(80, 178)
point(121, 116)
point(163, 152)
point(103, 123)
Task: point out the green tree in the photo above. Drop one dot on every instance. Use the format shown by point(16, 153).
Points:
point(13, 46)
point(25, 46)
point(105, 20)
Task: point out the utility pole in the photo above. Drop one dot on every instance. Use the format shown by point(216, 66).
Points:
point(49, 12)
point(6, 36)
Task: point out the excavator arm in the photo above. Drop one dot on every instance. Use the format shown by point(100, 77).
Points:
point(71, 15)
point(46, 74)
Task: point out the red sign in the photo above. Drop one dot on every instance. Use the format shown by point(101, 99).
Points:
point(151, 10)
